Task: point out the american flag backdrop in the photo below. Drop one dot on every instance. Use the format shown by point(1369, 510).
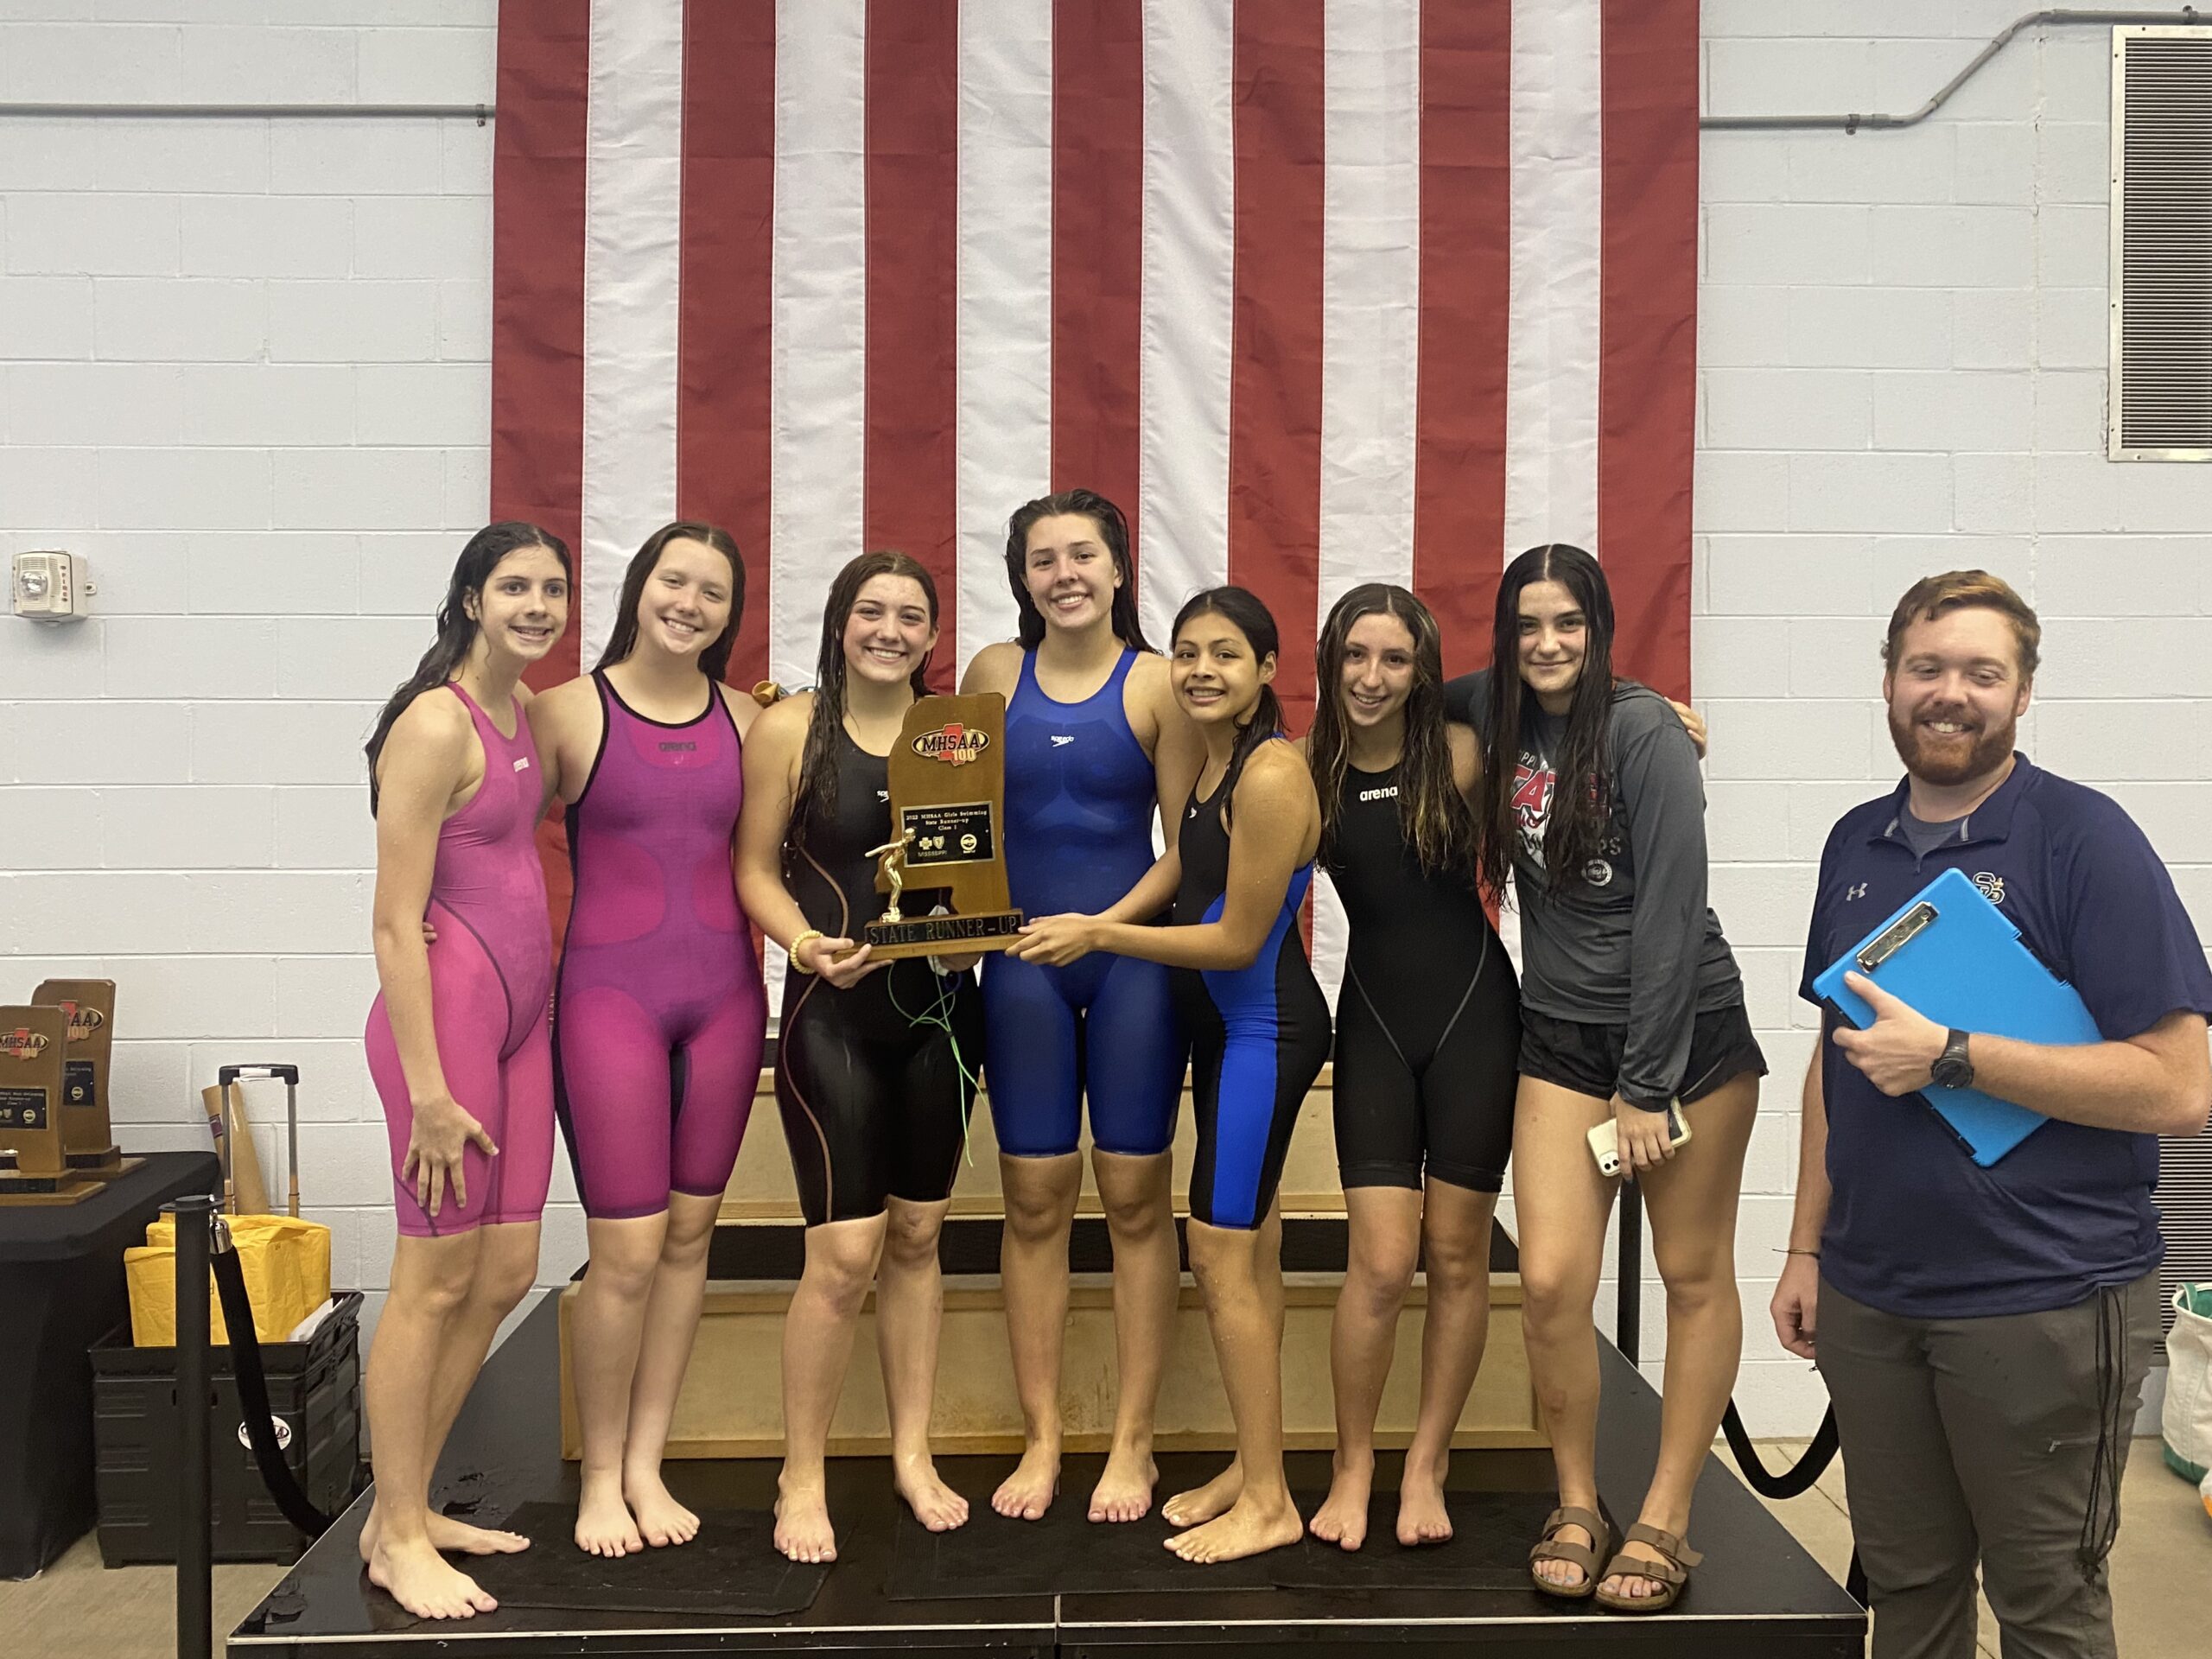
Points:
point(1321, 291)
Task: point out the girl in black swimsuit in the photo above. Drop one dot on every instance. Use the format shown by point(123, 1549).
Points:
point(1428, 1023)
point(876, 1070)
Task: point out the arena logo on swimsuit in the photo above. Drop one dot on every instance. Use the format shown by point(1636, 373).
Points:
point(953, 743)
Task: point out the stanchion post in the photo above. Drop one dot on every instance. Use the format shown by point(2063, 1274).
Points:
point(1628, 1290)
point(195, 1538)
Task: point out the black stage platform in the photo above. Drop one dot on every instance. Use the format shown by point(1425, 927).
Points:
point(1758, 1593)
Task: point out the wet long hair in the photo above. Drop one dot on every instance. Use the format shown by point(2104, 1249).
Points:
point(1112, 530)
point(457, 630)
point(817, 768)
point(1257, 625)
point(1433, 815)
point(1580, 806)
point(713, 661)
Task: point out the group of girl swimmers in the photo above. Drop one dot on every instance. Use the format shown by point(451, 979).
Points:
point(695, 815)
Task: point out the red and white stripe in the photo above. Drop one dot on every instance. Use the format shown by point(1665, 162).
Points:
point(1320, 293)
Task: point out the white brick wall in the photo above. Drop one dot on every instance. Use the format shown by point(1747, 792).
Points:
point(243, 367)
point(1903, 339)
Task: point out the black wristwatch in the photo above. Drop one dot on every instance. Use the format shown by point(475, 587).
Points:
point(1952, 1070)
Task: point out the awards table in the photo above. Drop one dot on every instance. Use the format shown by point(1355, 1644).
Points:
point(61, 1289)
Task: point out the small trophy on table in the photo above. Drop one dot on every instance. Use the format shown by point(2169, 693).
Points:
point(948, 800)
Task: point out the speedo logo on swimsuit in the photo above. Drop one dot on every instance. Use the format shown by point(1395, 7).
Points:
point(678, 748)
point(1388, 793)
point(522, 763)
point(1060, 742)
point(23, 1044)
point(953, 743)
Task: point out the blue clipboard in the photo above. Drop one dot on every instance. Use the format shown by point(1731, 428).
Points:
point(1952, 955)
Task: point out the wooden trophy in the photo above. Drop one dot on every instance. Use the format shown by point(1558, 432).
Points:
point(948, 808)
point(34, 1169)
point(87, 1138)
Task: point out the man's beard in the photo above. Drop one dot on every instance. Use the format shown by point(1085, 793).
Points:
point(1933, 760)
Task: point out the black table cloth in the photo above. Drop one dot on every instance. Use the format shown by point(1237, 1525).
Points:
point(62, 1290)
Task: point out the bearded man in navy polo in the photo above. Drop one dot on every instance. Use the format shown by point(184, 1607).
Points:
point(1984, 1332)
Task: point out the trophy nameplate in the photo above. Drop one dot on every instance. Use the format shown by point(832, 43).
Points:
point(34, 1168)
point(87, 1138)
point(947, 816)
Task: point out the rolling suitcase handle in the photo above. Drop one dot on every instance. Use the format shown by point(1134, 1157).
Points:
point(226, 1076)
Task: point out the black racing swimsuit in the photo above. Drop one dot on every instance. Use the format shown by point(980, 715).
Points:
point(1429, 1022)
point(1258, 1034)
point(873, 1083)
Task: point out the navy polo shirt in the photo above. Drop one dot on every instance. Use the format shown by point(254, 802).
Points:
point(1916, 1229)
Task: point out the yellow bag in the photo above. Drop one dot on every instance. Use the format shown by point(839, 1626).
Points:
point(287, 1265)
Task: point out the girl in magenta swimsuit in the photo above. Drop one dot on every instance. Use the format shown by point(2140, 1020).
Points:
point(658, 1018)
point(457, 1040)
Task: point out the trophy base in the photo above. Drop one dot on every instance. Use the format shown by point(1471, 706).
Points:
point(67, 1188)
point(101, 1166)
point(942, 936)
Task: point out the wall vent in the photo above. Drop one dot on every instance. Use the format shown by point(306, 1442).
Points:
point(2161, 376)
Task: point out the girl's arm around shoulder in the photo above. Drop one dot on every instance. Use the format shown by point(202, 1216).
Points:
point(743, 711)
point(994, 668)
point(564, 722)
point(1466, 758)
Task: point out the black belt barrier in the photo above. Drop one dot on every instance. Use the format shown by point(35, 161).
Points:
point(203, 1240)
point(253, 1396)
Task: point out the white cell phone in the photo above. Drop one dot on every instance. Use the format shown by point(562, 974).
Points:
point(1605, 1139)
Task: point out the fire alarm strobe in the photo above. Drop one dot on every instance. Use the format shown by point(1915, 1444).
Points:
point(50, 587)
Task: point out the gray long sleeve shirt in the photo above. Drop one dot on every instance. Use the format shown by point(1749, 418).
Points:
point(1628, 939)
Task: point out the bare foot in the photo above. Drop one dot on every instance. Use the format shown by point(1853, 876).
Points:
point(1566, 1574)
point(1342, 1518)
point(448, 1536)
point(1422, 1518)
point(661, 1520)
point(803, 1529)
point(420, 1579)
point(1027, 1493)
point(1250, 1527)
point(604, 1524)
point(1124, 1491)
point(935, 1504)
point(1634, 1586)
point(1202, 1504)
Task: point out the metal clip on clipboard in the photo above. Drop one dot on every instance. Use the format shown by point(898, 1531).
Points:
point(1952, 955)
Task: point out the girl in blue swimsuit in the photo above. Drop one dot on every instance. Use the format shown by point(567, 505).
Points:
point(1094, 745)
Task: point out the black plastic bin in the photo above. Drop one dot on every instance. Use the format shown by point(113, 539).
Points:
point(315, 1393)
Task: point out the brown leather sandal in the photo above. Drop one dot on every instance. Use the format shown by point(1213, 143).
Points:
point(1671, 1573)
point(1550, 1548)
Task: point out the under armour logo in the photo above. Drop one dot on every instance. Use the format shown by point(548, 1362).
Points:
point(1858, 892)
point(1060, 742)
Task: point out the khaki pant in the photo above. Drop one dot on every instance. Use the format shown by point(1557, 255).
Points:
point(1988, 1442)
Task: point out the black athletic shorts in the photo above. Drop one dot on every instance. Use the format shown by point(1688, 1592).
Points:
point(1587, 1058)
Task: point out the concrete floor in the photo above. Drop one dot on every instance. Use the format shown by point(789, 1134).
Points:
point(77, 1609)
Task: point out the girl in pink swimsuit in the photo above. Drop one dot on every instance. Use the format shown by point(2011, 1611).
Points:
point(457, 1040)
point(659, 1014)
